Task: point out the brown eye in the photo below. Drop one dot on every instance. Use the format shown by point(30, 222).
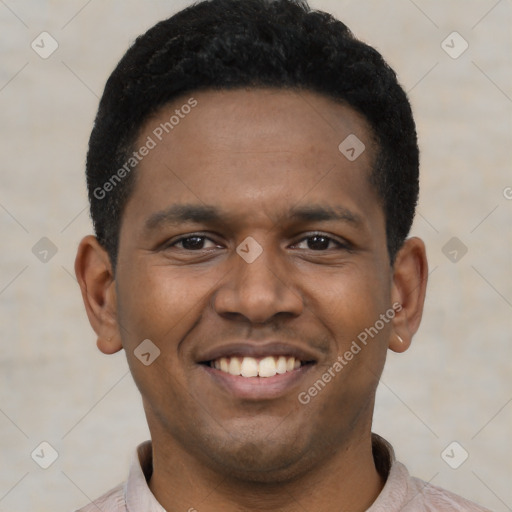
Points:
point(191, 243)
point(319, 243)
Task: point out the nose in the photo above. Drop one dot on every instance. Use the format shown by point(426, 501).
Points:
point(258, 290)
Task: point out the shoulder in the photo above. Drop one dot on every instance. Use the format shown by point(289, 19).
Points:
point(112, 501)
point(426, 497)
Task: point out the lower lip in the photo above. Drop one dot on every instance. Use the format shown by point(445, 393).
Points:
point(258, 388)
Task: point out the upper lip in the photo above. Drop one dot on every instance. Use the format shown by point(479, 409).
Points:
point(258, 349)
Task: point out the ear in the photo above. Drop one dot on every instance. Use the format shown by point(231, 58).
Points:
point(93, 270)
point(410, 275)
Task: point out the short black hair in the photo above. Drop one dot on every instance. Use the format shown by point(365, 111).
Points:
point(228, 44)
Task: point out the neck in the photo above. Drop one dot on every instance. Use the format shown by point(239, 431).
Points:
point(347, 481)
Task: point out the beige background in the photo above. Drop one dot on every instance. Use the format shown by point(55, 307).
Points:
point(454, 384)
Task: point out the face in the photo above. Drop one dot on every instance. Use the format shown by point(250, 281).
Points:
point(252, 245)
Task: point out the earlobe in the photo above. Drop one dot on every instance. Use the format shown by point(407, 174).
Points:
point(410, 274)
point(400, 342)
point(109, 345)
point(95, 277)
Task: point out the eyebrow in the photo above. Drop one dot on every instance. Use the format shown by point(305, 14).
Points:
point(204, 214)
point(317, 213)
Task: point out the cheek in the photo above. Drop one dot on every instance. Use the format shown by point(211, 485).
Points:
point(160, 303)
point(350, 299)
point(350, 304)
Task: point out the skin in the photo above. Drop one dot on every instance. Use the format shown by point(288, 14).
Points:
point(256, 154)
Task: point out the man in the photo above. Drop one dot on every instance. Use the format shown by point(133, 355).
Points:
point(253, 176)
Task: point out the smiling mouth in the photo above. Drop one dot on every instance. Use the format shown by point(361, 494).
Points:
point(263, 367)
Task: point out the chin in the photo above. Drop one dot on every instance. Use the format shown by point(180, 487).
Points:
point(259, 458)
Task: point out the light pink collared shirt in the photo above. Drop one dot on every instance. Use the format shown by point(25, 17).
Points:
point(400, 493)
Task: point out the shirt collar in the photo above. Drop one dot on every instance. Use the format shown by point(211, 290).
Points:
point(138, 496)
point(393, 496)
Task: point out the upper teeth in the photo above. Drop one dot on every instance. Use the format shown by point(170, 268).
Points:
point(251, 367)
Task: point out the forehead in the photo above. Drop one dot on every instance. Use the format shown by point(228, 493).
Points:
point(254, 152)
point(260, 113)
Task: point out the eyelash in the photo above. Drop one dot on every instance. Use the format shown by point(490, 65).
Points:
point(344, 246)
